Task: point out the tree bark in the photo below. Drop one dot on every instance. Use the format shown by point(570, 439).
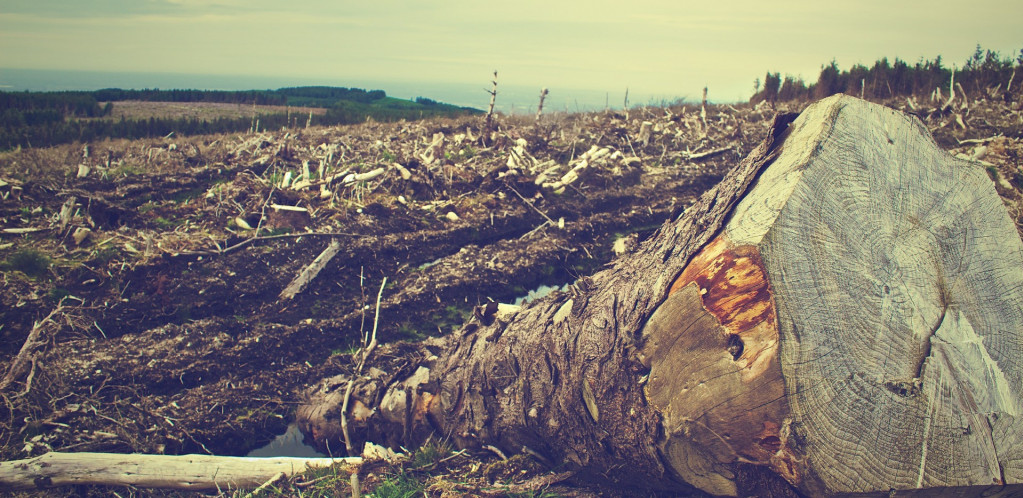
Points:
point(842, 314)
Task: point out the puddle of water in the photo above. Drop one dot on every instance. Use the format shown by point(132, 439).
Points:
point(539, 292)
point(288, 444)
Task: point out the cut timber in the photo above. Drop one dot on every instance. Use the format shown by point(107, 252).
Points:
point(842, 314)
point(311, 271)
point(194, 472)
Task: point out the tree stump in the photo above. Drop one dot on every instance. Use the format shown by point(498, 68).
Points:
point(842, 314)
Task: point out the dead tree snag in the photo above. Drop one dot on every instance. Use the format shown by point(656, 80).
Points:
point(843, 313)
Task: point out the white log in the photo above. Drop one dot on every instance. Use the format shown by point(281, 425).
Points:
point(193, 472)
point(310, 272)
point(282, 207)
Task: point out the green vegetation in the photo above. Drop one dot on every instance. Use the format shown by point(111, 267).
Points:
point(984, 69)
point(399, 485)
point(29, 261)
point(49, 118)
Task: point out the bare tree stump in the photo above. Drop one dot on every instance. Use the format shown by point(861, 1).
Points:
point(842, 314)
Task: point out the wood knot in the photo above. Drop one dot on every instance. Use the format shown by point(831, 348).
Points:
point(735, 346)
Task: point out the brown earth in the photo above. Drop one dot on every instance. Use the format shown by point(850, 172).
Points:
point(167, 332)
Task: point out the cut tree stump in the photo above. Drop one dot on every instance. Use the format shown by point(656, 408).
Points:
point(842, 314)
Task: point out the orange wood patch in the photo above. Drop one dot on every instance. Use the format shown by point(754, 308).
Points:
point(733, 287)
point(733, 284)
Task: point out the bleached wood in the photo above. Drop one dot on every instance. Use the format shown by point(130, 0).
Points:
point(311, 271)
point(194, 472)
point(898, 279)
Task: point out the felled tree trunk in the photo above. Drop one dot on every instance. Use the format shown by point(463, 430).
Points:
point(843, 313)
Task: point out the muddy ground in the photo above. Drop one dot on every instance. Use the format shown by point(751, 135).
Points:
point(151, 271)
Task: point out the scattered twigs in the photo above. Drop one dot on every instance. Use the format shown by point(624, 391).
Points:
point(270, 482)
point(493, 99)
point(705, 155)
point(539, 108)
point(978, 140)
point(246, 242)
point(497, 451)
point(530, 204)
point(537, 229)
point(311, 271)
point(25, 356)
point(364, 353)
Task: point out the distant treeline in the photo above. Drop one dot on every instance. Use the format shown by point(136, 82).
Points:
point(982, 71)
point(48, 118)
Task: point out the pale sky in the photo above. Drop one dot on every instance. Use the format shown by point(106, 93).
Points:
point(662, 47)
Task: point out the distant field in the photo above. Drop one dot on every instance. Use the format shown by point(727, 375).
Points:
point(203, 111)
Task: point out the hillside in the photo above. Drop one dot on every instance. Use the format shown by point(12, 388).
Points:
point(50, 118)
point(151, 271)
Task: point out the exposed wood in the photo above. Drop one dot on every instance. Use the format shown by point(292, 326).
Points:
point(705, 155)
point(192, 472)
point(539, 107)
point(19, 231)
point(311, 271)
point(842, 314)
point(488, 123)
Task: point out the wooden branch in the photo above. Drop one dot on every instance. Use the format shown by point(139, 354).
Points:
point(20, 231)
point(24, 357)
point(311, 271)
point(193, 472)
point(530, 204)
point(705, 155)
point(539, 108)
point(493, 100)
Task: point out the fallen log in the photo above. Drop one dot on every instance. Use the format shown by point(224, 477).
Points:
point(842, 314)
point(192, 472)
point(299, 283)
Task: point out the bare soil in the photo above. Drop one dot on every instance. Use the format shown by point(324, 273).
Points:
point(160, 325)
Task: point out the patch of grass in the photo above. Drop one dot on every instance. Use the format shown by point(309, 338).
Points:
point(184, 196)
point(147, 207)
point(31, 262)
point(164, 223)
point(407, 331)
point(126, 170)
point(451, 318)
point(105, 255)
point(993, 173)
point(399, 485)
point(430, 454)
